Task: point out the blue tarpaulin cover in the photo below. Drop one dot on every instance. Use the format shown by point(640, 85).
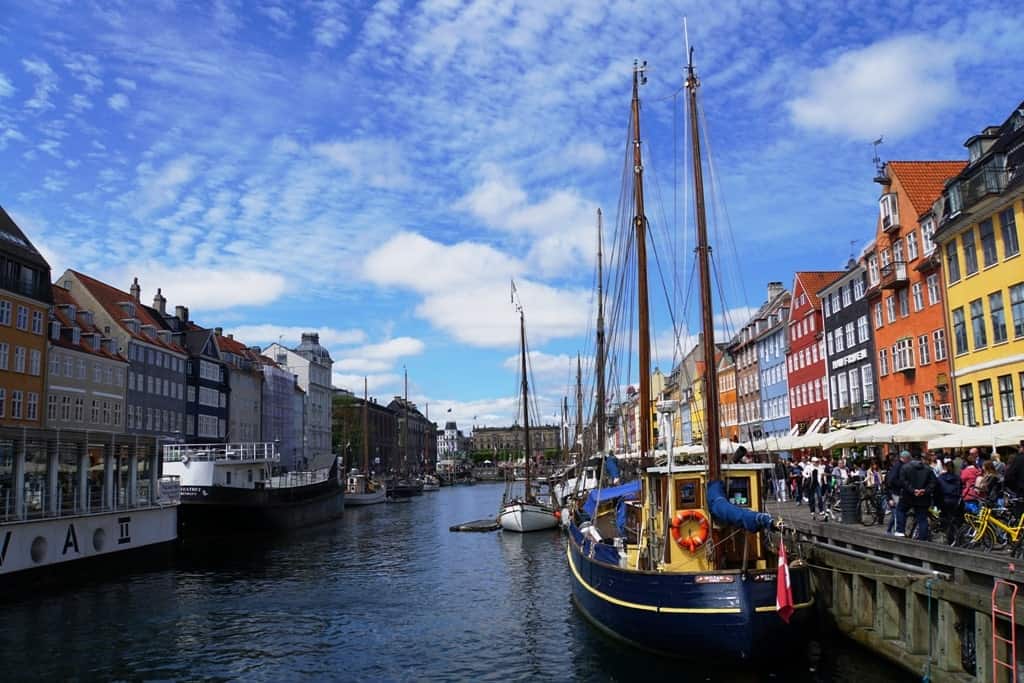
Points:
point(725, 512)
point(628, 490)
point(611, 467)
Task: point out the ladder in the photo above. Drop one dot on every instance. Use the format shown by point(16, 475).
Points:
point(1004, 591)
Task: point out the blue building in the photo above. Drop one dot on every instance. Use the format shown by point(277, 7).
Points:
point(771, 356)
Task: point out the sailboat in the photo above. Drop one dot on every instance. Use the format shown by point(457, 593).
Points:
point(404, 487)
point(526, 512)
point(692, 566)
point(360, 489)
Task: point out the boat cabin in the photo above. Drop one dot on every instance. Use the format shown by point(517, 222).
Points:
point(241, 465)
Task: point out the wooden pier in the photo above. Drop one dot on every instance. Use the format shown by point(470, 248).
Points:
point(924, 605)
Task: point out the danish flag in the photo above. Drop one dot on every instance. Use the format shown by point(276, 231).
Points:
point(783, 590)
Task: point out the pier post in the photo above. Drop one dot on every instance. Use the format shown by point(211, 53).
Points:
point(917, 622)
point(983, 645)
point(18, 477)
point(948, 640)
point(83, 477)
point(108, 476)
point(133, 478)
point(52, 470)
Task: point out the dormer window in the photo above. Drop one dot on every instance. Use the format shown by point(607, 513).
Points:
point(55, 329)
point(76, 335)
point(85, 317)
point(890, 211)
point(128, 307)
point(149, 331)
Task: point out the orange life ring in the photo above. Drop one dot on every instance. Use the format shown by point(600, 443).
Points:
point(692, 541)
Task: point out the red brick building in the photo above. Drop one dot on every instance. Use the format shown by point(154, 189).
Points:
point(805, 357)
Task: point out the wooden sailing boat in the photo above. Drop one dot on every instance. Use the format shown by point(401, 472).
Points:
point(404, 486)
point(689, 567)
point(528, 512)
point(360, 489)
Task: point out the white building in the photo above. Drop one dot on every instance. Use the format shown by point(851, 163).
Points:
point(311, 364)
point(451, 442)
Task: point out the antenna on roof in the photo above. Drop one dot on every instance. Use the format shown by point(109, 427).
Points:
point(880, 176)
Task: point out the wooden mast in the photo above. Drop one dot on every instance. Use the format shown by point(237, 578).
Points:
point(526, 403)
point(366, 427)
point(405, 425)
point(599, 361)
point(640, 226)
point(711, 420)
point(579, 405)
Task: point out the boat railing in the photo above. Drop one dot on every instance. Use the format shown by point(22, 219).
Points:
point(229, 452)
point(294, 479)
point(70, 501)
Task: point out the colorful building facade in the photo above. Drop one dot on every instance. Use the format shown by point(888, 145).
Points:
point(849, 350)
point(906, 295)
point(771, 353)
point(805, 358)
point(979, 217)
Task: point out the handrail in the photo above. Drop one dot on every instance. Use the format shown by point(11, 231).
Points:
point(233, 452)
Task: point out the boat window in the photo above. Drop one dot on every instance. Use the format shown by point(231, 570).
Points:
point(250, 476)
point(688, 494)
point(738, 491)
point(227, 477)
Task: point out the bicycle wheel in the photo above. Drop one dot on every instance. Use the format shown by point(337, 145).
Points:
point(968, 537)
point(868, 511)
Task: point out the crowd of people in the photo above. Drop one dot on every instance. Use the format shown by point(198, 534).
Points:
point(910, 482)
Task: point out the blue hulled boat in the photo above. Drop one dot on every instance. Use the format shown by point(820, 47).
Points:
point(684, 562)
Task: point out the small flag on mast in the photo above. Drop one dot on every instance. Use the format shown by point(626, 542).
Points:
point(783, 590)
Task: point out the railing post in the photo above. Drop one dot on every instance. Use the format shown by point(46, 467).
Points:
point(154, 468)
point(18, 477)
point(108, 476)
point(52, 471)
point(133, 478)
point(83, 478)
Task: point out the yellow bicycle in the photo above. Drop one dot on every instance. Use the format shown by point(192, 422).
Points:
point(987, 530)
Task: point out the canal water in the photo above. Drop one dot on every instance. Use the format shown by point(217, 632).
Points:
point(386, 594)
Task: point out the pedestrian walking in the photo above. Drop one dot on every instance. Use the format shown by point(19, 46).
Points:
point(893, 486)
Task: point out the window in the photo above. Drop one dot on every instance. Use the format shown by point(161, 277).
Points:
point(886, 257)
point(827, 306)
point(854, 387)
point(904, 299)
point(867, 383)
point(911, 246)
point(94, 414)
point(995, 307)
point(839, 340)
point(65, 408)
point(915, 407)
point(19, 359)
point(851, 335)
point(988, 412)
point(897, 252)
point(22, 323)
point(970, 252)
point(5, 312)
point(54, 365)
point(878, 316)
point(889, 209)
point(918, 296)
point(16, 404)
point(929, 405)
point(873, 270)
point(81, 369)
point(835, 392)
point(939, 336)
point(97, 373)
point(952, 262)
point(933, 289)
point(818, 386)
point(1008, 226)
point(4, 352)
point(978, 324)
point(923, 349)
point(1006, 398)
point(1016, 312)
point(3, 401)
point(988, 242)
point(903, 355)
point(887, 410)
point(959, 331)
point(32, 406)
point(79, 409)
point(967, 404)
point(883, 362)
point(117, 414)
point(844, 391)
point(858, 288)
point(828, 344)
point(890, 309)
point(862, 329)
point(847, 296)
point(927, 232)
point(51, 407)
point(35, 360)
point(37, 322)
point(901, 409)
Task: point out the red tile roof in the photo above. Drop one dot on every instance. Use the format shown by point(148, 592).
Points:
point(923, 181)
point(813, 281)
point(63, 296)
point(109, 297)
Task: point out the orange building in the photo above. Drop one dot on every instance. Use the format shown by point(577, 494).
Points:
point(727, 398)
point(905, 294)
point(25, 299)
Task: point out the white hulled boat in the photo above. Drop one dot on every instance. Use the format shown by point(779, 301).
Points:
point(359, 490)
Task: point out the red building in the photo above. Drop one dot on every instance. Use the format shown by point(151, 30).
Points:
point(805, 355)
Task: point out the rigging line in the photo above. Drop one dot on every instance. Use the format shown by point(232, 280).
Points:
point(726, 315)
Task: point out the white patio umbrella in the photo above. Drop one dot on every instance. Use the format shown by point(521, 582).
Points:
point(923, 429)
point(840, 437)
point(1007, 433)
point(880, 432)
point(967, 438)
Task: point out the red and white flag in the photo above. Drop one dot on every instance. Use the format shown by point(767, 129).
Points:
point(783, 591)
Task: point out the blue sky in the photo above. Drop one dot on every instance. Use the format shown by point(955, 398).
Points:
point(380, 171)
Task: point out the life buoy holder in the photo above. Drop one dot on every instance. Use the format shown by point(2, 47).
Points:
point(691, 541)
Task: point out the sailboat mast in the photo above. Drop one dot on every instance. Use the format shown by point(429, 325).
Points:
point(565, 429)
point(711, 420)
point(405, 424)
point(366, 427)
point(640, 226)
point(579, 404)
point(526, 403)
point(599, 361)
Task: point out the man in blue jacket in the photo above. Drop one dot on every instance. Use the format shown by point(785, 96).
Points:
point(917, 487)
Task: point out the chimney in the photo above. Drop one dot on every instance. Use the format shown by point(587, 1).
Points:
point(181, 313)
point(219, 331)
point(231, 337)
point(774, 289)
point(135, 290)
point(160, 302)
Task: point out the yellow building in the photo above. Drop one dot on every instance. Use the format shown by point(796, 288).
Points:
point(979, 217)
point(25, 299)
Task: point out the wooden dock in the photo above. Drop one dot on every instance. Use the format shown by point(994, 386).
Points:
point(924, 605)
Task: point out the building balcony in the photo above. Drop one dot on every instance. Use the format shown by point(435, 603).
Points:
point(890, 224)
point(894, 275)
point(985, 182)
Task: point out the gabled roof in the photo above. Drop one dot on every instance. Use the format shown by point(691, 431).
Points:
point(63, 296)
point(13, 240)
point(109, 298)
point(813, 281)
point(923, 181)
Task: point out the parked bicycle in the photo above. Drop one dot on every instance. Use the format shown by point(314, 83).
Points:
point(993, 528)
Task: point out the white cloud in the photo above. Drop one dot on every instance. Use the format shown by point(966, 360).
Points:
point(377, 357)
point(125, 83)
point(466, 290)
point(46, 84)
point(586, 154)
point(547, 366)
point(376, 162)
point(893, 87)
point(160, 188)
point(206, 288)
point(291, 335)
point(118, 101)
point(6, 88)
point(80, 102)
point(376, 383)
point(330, 26)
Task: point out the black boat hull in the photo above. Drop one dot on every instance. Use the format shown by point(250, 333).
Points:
point(673, 614)
point(223, 511)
